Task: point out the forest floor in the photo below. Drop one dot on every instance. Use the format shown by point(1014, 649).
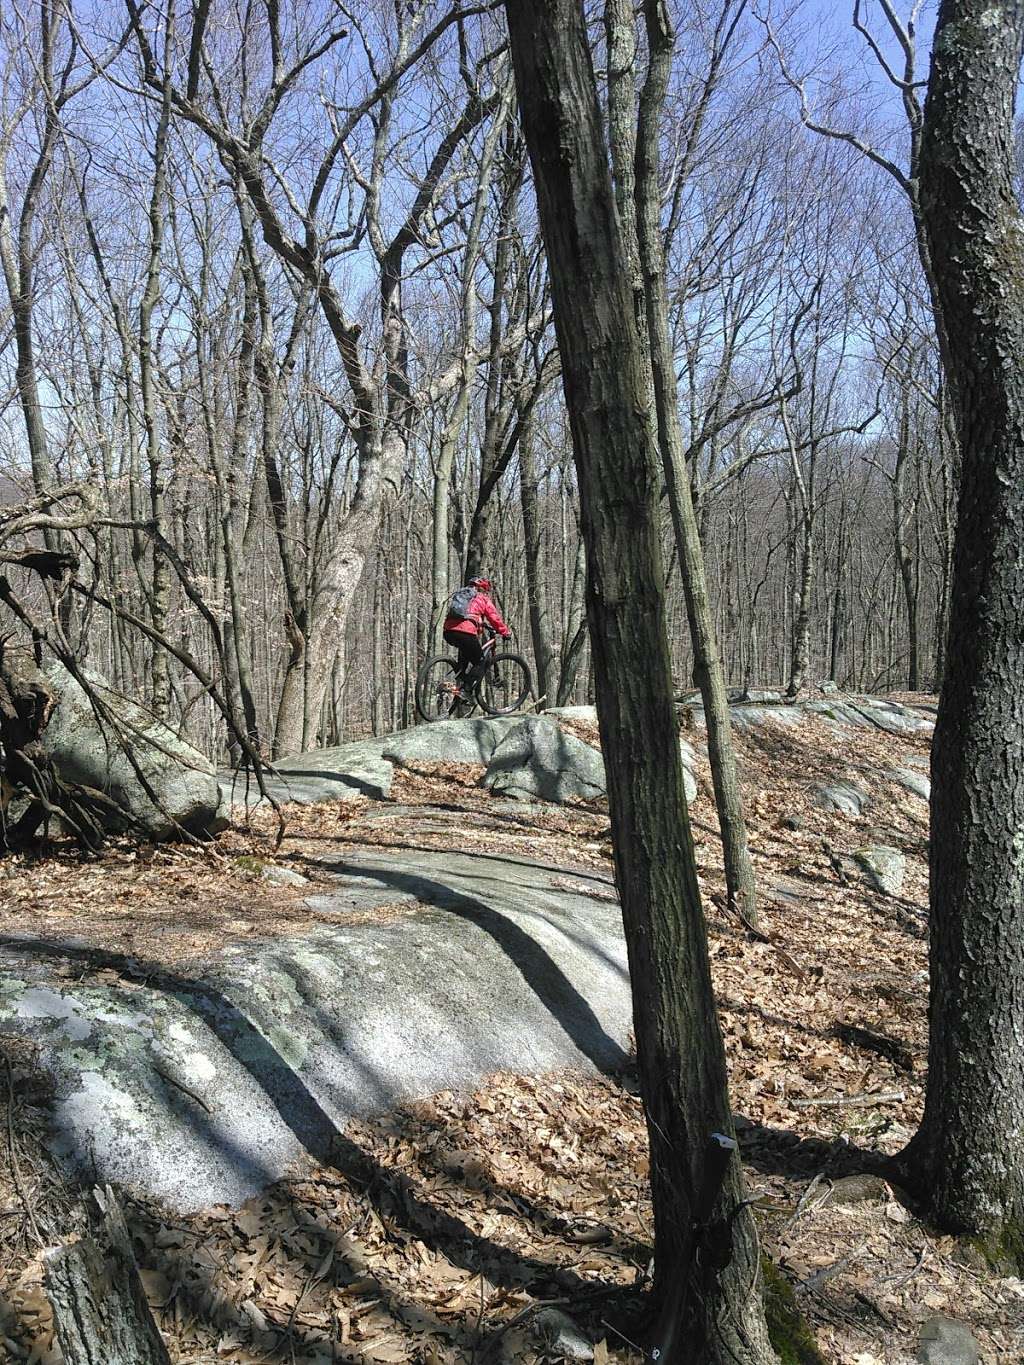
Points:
point(458, 1228)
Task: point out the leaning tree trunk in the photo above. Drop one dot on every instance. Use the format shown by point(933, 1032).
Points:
point(679, 1045)
point(536, 576)
point(968, 1155)
point(710, 676)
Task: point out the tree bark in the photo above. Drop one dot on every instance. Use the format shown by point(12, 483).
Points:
point(679, 1045)
point(968, 1156)
point(99, 1305)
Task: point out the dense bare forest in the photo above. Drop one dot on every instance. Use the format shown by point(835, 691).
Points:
point(293, 334)
point(661, 360)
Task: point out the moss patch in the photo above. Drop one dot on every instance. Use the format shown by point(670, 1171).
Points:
point(787, 1328)
point(1001, 1251)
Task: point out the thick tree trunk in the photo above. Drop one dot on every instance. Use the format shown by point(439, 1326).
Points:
point(968, 1155)
point(681, 1057)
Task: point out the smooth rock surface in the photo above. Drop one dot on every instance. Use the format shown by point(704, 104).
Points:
point(204, 1088)
point(537, 758)
point(944, 1341)
point(884, 867)
point(104, 750)
point(338, 773)
point(472, 740)
point(849, 798)
point(912, 780)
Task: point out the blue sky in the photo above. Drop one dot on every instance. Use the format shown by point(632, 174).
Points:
point(830, 31)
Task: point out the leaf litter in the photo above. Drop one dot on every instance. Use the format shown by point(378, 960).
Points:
point(445, 1231)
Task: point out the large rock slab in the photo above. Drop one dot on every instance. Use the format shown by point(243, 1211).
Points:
point(338, 773)
point(366, 767)
point(537, 758)
point(472, 740)
point(204, 1088)
point(120, 748)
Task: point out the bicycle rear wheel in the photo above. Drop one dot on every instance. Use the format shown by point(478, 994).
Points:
point(436, 686)
point(505, 685)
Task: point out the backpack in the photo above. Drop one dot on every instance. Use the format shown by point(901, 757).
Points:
point(460, 604)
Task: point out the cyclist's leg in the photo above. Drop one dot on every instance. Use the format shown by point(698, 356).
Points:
point(469, 651)
point(476, 662)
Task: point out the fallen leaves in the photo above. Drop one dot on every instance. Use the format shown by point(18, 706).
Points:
point(444, 1228)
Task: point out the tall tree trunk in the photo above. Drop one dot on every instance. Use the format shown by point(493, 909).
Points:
point(739, 870)
point(160, 585)
point(800, 655)
point(968, 1155)
point(679, 1045)
point(536, 574)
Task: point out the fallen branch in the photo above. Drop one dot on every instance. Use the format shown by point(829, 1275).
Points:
point(851, 1101)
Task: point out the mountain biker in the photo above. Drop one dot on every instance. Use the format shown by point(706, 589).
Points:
point(464, 633)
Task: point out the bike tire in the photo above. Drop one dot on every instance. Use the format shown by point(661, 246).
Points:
point(429, 672)
point(513, 664)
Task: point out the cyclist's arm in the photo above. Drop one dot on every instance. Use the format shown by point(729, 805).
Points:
point(493, 618)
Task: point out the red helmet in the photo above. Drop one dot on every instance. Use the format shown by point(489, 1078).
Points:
point(482, 584)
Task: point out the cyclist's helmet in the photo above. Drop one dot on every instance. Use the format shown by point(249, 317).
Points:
point(481, 584)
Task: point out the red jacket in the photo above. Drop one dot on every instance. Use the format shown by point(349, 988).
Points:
point(481, 610)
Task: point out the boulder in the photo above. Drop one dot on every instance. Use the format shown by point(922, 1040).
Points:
point(912, 780)
point(560, 1335)
point(944, 1341)
point(849, 798)
point(539, 759)
point(883, 867)
point(283, 876)
point(108, 745)
point(472, 740)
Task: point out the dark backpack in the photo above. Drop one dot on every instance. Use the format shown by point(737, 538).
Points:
point(460, 604)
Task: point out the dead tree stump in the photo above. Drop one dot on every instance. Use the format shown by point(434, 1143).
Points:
point(100, 1311)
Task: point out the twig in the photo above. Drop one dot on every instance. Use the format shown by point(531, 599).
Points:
point(803, 1203)
point(816, 1280)
point(185, 1090)
point(852, 1101)
point(15, 1168)
point(895, 1281)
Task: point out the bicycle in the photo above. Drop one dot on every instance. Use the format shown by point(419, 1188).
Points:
point(501, 689)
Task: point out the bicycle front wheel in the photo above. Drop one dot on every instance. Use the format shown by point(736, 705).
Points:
point(505, 685)
point(436, 688)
